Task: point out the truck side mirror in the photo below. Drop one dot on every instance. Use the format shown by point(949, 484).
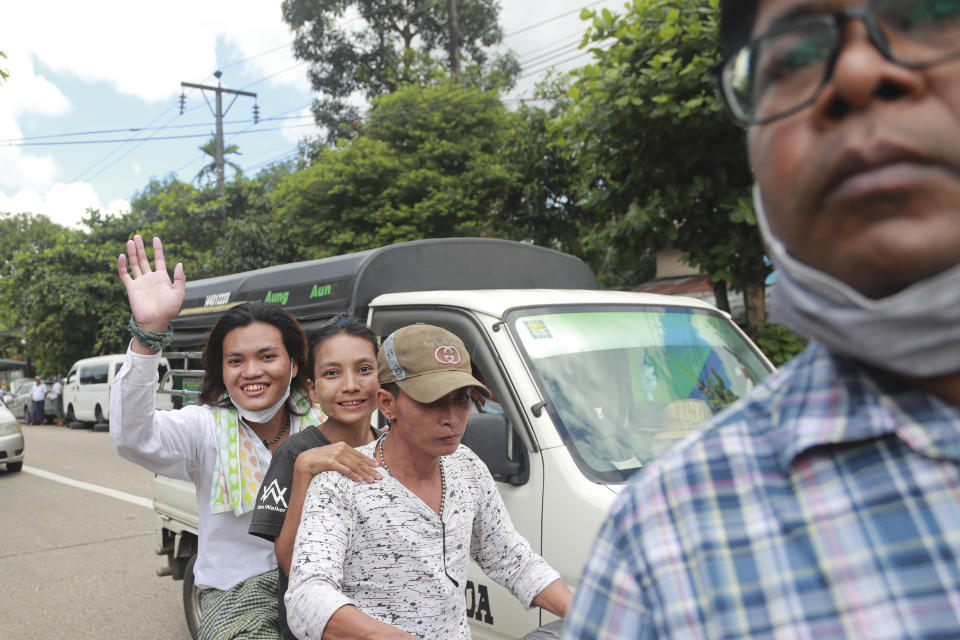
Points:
point(489, 436)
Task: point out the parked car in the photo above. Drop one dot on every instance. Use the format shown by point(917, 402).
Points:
point(11, 440)
point(20, 405)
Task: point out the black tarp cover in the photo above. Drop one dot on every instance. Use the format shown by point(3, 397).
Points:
point(315, 290)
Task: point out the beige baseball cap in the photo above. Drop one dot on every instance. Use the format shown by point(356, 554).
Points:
point(426, 362)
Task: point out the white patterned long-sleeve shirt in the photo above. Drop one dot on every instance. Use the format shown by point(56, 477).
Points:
point(380, 547)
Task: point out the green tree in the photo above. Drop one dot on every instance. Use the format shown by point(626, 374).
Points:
point(67, 300)
point(398, 42)
point(544, 205)
point(21, 233)
point(655, 149)
point(428, 164)
point(208, 174)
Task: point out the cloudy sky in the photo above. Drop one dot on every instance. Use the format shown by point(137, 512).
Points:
point(91, 109)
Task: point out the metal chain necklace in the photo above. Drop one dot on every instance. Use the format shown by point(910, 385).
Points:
point(443, 499)
point(443, 480)
point(280, 433)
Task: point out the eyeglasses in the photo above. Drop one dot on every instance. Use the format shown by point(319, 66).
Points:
point(783, 70)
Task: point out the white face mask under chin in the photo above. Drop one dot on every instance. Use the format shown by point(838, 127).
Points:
point(265, 415)
point(915, 332)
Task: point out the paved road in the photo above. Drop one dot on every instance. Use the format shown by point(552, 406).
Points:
point(78, 561)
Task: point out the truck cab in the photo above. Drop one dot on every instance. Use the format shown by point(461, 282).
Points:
point(589, 385)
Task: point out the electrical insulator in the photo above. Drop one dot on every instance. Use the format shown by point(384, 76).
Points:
point(183, 102)
point(256, 114)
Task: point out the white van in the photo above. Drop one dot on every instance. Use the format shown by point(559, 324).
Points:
point(86, 390)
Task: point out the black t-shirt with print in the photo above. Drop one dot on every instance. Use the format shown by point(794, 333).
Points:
point(272, 501)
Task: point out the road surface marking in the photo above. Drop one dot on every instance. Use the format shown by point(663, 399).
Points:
point(87, 486)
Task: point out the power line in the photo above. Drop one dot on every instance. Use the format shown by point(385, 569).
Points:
point(104, 158)
point(186, 136)
point(549, 20)
point(15, 141)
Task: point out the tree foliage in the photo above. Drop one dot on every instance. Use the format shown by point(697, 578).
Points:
point(397, 42)
point(426, 165)
point(61, 293)
point(208, 173)
point(652, 144)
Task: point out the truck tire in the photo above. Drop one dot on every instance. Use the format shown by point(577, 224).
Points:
point(191, 599)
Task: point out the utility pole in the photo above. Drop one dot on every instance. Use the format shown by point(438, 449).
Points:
point(454, 40)
point(219, 112)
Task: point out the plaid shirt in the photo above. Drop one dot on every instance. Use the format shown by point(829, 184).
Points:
point(825, 504)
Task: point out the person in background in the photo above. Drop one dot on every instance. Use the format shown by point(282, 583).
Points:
point(825, 503)
point(389, 559)
point(38, 394)
point(56, 394)
point(343, 366)
point(253, 395)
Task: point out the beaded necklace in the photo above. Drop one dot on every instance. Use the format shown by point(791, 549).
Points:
point(443, 499)
point(443, 480)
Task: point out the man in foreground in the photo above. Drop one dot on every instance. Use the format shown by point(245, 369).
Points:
point(389, 559)
point(824, 504)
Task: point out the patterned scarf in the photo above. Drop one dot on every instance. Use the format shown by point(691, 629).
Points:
point(237, 475)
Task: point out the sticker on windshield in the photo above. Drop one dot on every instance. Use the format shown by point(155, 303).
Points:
point(538, 330)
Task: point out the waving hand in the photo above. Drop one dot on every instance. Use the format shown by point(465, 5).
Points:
point(154, 299)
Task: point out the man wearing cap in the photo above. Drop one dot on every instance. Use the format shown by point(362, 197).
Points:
point(389, 559)
point(826, 504)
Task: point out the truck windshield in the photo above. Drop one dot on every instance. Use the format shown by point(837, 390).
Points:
point(626, 383)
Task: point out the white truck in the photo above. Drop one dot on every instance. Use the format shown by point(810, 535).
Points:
point(593, 384)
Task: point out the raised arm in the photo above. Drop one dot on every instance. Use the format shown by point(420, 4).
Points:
point(164, 442)
point(154, 299)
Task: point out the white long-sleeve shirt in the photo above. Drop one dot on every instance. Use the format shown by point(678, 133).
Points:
point(181, 444)
point(380, 547)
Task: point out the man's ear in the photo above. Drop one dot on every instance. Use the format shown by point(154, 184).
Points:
point(387, 404)
point(312, 390)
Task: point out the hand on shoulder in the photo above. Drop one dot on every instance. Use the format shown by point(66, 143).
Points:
point(338, 456)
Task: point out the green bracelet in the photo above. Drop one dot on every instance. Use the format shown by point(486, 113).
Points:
point(149, 339)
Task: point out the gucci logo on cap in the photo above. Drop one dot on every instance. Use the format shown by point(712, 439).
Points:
point(447, 355)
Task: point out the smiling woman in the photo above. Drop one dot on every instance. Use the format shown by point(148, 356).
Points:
point(343, 363)
point(254, 394)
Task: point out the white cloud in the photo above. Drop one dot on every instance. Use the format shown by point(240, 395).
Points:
point(65, 204)
point(26, 94)
point(19, 170)
point(142, 50)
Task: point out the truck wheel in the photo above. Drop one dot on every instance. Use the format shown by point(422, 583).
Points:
point(13, 467)
point(191, 599)
point(70, 416)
